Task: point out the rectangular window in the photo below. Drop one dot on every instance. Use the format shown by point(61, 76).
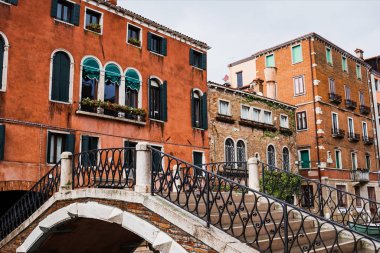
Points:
point(158, 100)
point(157, 160)
point(239, 78)
point(2, 141)
point(358, 72)
point(344, 64)
point(56, 145)
point(335, 125)
point(198, 59)
point(198, 161)
point(299, 85)
point(365, 130)
point(350, 126)
point(358, 201)
point(367, 162)
point(256, 114)
point(338, 159)
point(329, 56)
point(224, 107)
point(267, 117)
point(157, 44)
point(307, 194)
point(64, 11)
point(347, 92)
point(332, 85)
point(342, 196)
point(305, 158)
point(244, 112)
point(297, 54)
point(354, 161)
point(361, 98)
point(93, 21)
point(269, 61)
point(377, 84)
point(284, 121)
point(301, 121)
point(134, 35)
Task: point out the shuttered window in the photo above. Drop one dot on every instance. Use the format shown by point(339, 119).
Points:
point(358, 72)
point(299, 85)
point(269, 61)
point(2, 141)
point(157, 44)
point(198, 59)
point(157, 100)
point(344, 64)
point(297, 54)
point(88, 157)
point(199, 110)
point(301, 121)
point(57, 143)
point(61, 77)
point(329, 56)
point(90, 78)
point(65, 11)
point(2, 49)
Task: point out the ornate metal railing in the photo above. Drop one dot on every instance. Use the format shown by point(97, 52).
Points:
point(258, 219)
point(105, 168)
point(30, 201)
point(235, 171)
point(337, 205)
point(335, 98)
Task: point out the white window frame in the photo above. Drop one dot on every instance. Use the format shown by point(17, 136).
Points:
point(249, 111)
point(353, 125)
point(345, 70)
point(5, 63)
point(263, 117)
point(359, 77)
point(47, 140)
point(303, 84)
point(141, 39)
point(327, 61)
point(228, 108)
point(340, 158)
point(331, 80)
point(365, 129)
point(287, 121)
point(101, 77)
point(260, 113)
point(291, 53)
point(100, 21)
point(356, 159)
point(307, 123)
point(122, 89)
point(337, 120)
point(365, 160)
point(361, 98)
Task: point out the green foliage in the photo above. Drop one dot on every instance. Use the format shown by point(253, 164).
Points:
point(112, 106)
point(94, 27)
point(134, 42)
point(271, 134)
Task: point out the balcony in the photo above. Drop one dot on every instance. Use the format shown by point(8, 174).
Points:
point(335, 98)
point(338, 133)
point(368, 140)
point(365, 110)
point(257, 124)
point(286, 131)
point(225, 118)
point(352, 137)
point(350, 104)
point(360, 175)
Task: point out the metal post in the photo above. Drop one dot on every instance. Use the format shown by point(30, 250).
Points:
point(320, 200)
point(66, 171)
point(263, 176)
point(208, 199)
point(286, 224)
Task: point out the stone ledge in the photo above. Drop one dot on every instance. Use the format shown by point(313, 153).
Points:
point(103, 116)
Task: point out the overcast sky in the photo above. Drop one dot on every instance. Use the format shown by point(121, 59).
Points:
point(236, 29)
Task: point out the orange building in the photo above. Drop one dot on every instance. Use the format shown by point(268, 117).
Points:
point(79, 75)
point(329, 86)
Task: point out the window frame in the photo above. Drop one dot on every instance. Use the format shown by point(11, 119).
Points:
point(233, 148)
point(228, 107)
point(139, 95)
point(354, 154)
point(287, 120)
point(274, 154)
point(358, 71)
point(263, 116)
point(160, 45)
point(367, 161)
point(332, 120)
point(365, 133)
point(302, 77)
point(297, 125)
point(329, 49)
point(340, 159)
point(245, 151)
point(237, 79)
point(266, 61)
point(4, 65)
point(348, 125)
point(347, 88)
point(299, 155)
point(241, 111)
point(71, 11)
point(56, 132)
point(100, 20)
point(84, 58)
point(345, 70)
point(291, 51)
point(332, 81)
point(140, 35)
point(289, 158)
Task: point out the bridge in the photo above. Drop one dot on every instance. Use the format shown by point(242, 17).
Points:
point(144, 200)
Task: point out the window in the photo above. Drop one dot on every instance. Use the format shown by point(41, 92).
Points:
point(297, 54)
point(329, 56)
point(157, 160)
point(229, 150)
point(299, 85)
point(199, 109)
point(2, 141)
point(132, 88)
point(245, 112)
point(93, 21)
point(90, 78)
point(129, 159)
point(351, 126)
point(305, 158)
point(271, 156)
point(239, 78)
point(111, 83)
point(224, 107)
point(307, 199)
point(267, 117)
point(269, 61)
point(342, 196)
point(198, 59)
point(338, 159)
point(365, 130)
point(157, 44)
point(240, 151)
point(89, 143)
point(4, 48)
point(367, 162)
point(354, 161)
point(134, 35)
point(358, 199)
point(198, 161)
point(377, 84)
point(157, 100)
point(60, 84)
point(14, 2)
point(361, 98)
point(285, 159)
point(344, 64)
point(57, 143)
point(335, 123)
point(347, 92)
point(256, 114)
point(301, 121)
point(358, 72)
point(284, 121)
point(65, 11)
point(332, 85)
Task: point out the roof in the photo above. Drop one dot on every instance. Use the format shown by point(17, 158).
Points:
point(298, 39)
point(158, 26)
point(217, 85)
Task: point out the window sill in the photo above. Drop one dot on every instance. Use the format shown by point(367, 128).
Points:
point(157, 120)
point(139, 47)
point(60, 102)
point(63, 22)
point(2, 2)
point(299, 95)
point(87, 30)
point(197, 68)
point(155, 53)
point(295, 63)
point(137, 122)
point(200, 129)
point(302, 130)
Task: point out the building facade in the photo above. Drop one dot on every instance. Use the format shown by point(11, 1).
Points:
point(243, 125)
point(81, 75)
point(330, 87)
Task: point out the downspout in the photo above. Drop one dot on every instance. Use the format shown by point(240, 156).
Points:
point(314, 107)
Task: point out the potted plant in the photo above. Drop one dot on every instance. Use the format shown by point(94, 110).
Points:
point(134, 41)
point(94, 27)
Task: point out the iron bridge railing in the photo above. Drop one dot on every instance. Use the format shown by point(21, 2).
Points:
point(258, 219)
point(235, 171)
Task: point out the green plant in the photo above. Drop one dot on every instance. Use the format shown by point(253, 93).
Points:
point(134, 41)
point(113, 106)
point(94, 27)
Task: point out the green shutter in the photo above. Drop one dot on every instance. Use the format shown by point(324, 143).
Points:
point(164, 49)
point(149, 41)
point(163, 101)
point(192, 107)
point(85, 143)
point(204, 111)
point(328, 55)
point(305, 159)
point(70, 143)
point(56, 77)
point(191, 57)
point(297, 54)
point(93, 143)
point(150, 99)
point(53, 12)
point(14, 2)
point(2, 141)
point(337, 158)
point(269, 61)
point(76, 15)
point(204, 61)
point(48, 147)
point(61, 77)
point(2, 45)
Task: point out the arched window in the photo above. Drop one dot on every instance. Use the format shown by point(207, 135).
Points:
point(4, 45)
point(60, 83)
point(240, 151)
point(229, 150)
point(271, 155)
point(111, 83)
point(157, 100)
point(197, 119)
point(90, 78)
point(285, 159)
point(132, 88)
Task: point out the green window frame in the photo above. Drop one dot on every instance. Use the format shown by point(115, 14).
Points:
point(344, 64)
point(269, 61)
point(65, 11)
point(358, 71)
point(297, 54)
point(305, 158)
point(329, 56)
point(157, 44)
point(338, 156)
point(198, 59)
point(158, 100)
point(60, 83)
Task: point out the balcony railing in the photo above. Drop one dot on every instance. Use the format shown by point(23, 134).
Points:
point(360, 175)
point(352, 137)
point(368, 140)
point(225, 118)
point(337, 133)
point(350, 104)
point(365, 110)
point(335, 98)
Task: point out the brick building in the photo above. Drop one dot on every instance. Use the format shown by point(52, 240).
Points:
point(80, 75)
point(330, 88)
point(243, 125)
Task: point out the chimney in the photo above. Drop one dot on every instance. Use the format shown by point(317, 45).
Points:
point(270, 74)
point(113, 2)
point(359, 53)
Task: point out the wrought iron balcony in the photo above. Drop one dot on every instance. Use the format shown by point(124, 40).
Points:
point(337, 133)
point(335, 98)
point(352, 137)
point(368, 140)
point(365, 109)
point(350, 104)
point(360, 175)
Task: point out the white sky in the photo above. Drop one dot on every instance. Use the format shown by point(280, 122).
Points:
point(236, 28)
